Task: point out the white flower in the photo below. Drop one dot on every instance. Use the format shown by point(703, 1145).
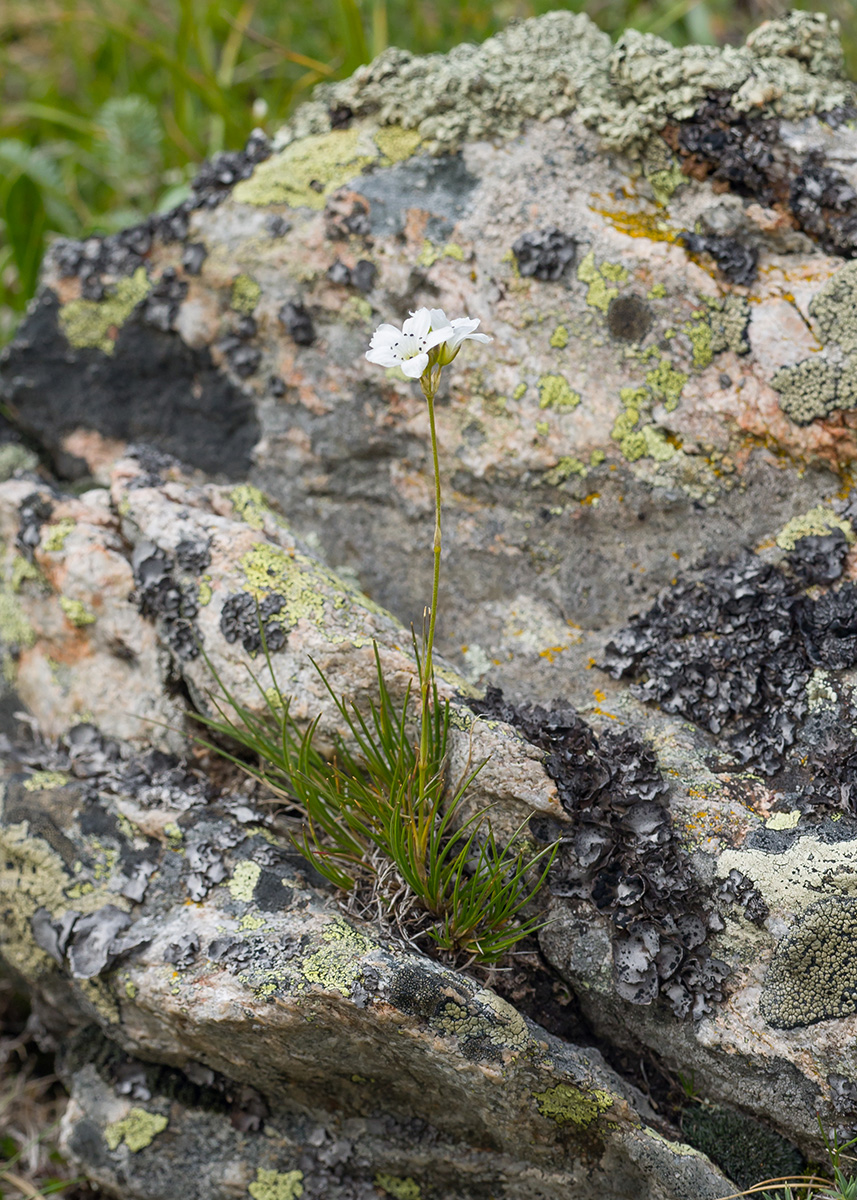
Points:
point(409, 346)
point(463, 330)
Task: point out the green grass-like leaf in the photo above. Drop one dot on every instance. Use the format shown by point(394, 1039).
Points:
point(363, 806)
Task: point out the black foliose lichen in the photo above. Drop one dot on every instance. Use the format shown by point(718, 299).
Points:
point(544, 254)
point(241, 618)
point(749, 154)
point(733, 651)
point(298, 323)
point(623, 855)
point(120, 254)
point(738, 261)
point(33, 511)
point(173, 602)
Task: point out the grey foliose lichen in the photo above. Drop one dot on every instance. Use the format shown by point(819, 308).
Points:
point(553, 65)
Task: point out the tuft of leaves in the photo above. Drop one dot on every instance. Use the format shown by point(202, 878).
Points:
point(373, 823)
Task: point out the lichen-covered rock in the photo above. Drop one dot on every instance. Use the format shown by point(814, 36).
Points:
point(648, 512)
point(290, 1020)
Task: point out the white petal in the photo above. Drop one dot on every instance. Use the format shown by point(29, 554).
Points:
point(383, 357)
point(438, 318)
point(437, 336)
point(418, 323)
point(466, 324)
point(478, 337)
point(385, 335)
point(414, 367)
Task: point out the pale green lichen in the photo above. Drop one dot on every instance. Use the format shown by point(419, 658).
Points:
point(15, 629)
point(204, 592)
point(268, 569)
point(552, 65)
point(807, 390)
point(92, 323)
point(45, 781)
point(307, 171)
point(600, 295)
point(555, 392)
point(54, 536)
point(634, 446)
point(337, 965)
point(519, 391)
point(277, 1185)
point(815, 523)
point(244, 880)
point(834, 308)
point(657, 291)
point(566, 467)
point(251, 505)
point(666, 183)
point(23, 570)
point(569, 1105)
point(175, 836)
point(138, 1130)
point(559, 338)
point(700, 339)
point(245, 294)
point(395, 143)
point(430, 253)
point(657, 446)
point(624, 424)
point(614, 272)
point(666, 383)
point(77, 612)
point(401, 1188)
point(784, 820)
point(596, 458)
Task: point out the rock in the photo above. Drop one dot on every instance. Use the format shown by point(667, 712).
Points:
point(647, 512)
point(371, 1062)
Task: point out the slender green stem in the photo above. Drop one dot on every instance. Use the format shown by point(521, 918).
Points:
point(429, 384)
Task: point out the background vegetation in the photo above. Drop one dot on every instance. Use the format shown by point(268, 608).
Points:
point(108, 106)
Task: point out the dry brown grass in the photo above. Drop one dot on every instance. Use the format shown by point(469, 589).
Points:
point(32, 1102)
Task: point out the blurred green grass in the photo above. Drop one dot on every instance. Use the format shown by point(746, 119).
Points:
point(108, 106)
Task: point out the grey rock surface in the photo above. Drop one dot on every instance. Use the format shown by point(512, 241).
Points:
point(648, 512)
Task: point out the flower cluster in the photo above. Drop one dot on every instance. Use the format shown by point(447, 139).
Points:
point(426, 338)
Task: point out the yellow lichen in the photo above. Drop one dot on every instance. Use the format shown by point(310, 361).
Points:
point(818, 521)
point(666, 383)
point(559, 338)
point(336, 965)
point(54, 536)
point(569, 1105)
point(93, 323)
point(244, 880)
point(77, 612)
point(44, 781)
point(251, 505)
point(401, 1188)
point(245, 294)
point(267, 569)
point(556, 393)
point(138, 1130)
point(277, 1185)
point(431, 253)
point(305, 173)
point(395, 143)
point(566, 467)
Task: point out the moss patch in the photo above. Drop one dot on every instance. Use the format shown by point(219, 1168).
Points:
point(93, 323)
point(138, 1130)
point(569, 1105)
